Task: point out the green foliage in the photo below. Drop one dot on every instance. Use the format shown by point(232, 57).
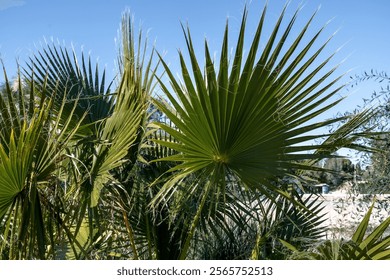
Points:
point(89, 171)
point(31, 151)
point(362, 245)
point(283, 222)
point(376, 176)
point(250, 120)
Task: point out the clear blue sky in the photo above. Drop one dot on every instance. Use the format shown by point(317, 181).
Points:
point(92, 25)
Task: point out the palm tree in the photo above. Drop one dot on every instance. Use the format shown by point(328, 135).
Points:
point(82, 132)
point(86, 172)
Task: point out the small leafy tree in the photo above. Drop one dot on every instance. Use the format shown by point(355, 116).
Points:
point(377, 175)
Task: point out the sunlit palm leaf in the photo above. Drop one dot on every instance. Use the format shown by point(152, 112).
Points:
point(106, 162)
point(118, 134)
point(29, 159)
point(250, 118)
point(125, 127)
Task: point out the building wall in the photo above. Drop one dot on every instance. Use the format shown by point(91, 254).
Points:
point(345, 211)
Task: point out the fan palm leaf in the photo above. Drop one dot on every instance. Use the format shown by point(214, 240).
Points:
point(112, 157)
point(111, 133)
point(56, 67)
point(285, 222)
point(251, 119)
point(31, 152)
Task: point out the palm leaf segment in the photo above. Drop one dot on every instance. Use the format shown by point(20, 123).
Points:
point(253, 118)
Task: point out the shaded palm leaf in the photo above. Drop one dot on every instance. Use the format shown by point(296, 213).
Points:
point(108, 161)
point(56, 67)
point(285, 222)
point(122, 133)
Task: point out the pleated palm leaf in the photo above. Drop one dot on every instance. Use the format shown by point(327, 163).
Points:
point(285, 221)
point(59, 68)
point(55, 67)
point(32, 149)
point(112, 180)
point(251, 119)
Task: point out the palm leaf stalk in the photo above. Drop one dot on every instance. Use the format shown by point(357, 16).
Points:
point(251, 119)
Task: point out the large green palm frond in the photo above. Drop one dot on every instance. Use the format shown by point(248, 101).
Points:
point(32, 148)
point(253, 118)
point(118, 134)
point(111, 132)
